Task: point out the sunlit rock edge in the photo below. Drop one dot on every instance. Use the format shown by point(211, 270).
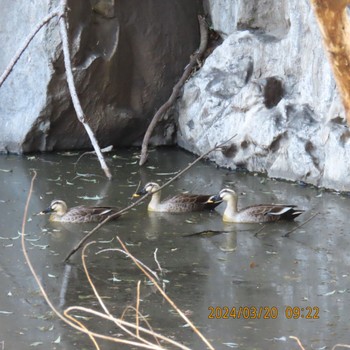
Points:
point(270, 84)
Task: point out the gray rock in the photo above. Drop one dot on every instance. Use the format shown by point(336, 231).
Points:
point(126, 57)
point(271, 85)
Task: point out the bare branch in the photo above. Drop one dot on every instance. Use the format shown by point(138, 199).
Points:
point(187, 72)
point(25, 44)
point(73, 91)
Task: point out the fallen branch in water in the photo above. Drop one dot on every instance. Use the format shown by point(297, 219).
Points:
point(195, 58)
point(124, 210)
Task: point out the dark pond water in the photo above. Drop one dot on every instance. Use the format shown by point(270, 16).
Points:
point(226, 269)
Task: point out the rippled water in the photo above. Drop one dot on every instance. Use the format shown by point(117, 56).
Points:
point(241, 290)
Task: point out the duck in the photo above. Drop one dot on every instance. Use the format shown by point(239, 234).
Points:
point(261, 213)
point(180, 203)
point(80, 214)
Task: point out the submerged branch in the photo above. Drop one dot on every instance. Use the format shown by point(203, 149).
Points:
point(302, 224)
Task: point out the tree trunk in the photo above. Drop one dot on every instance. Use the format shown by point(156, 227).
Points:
point(335, 28)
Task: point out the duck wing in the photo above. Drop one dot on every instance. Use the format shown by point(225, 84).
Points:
point(192, 202)
point(94, 213)
point(271, 212)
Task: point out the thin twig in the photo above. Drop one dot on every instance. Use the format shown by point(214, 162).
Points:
point(165, 296)
point(124, 210)
point(131, 325)
point(137, 308)
point(163, 109)
point(124, 252)
point(341, 346)
point(302, 224)
point(298, 341)
point(97, 295)
point(79, 323)
point(103, 150)
point(144, 319)
point(25, 44)
point(73, 91)
point(257, 232)
point(156, 260)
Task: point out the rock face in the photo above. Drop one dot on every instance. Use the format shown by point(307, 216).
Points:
point(270, 84)
point(126, 55)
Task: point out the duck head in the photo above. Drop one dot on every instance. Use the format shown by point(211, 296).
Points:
point(57, 206)
point(225, 194)
point(150, 187)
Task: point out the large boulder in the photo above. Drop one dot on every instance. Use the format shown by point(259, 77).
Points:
point(126, 56)
point(271, 85)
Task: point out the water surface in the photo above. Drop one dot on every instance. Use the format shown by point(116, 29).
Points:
point(209, 266)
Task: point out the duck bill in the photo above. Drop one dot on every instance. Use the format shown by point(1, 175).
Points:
point(139, 194)
point(46, 211)
point(214, 199)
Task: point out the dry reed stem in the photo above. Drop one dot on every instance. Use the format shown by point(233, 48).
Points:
point(341, 346)
point(137, 307)
point(124, 210)
point(156, 260)
point(144, 319)
point(73, 91)
point(131, 325)
point(25, 44)
point(298, 341)
point(119, 322)
point(97, 295)
point(84, 327)
point(165, 296)
point(128, 255)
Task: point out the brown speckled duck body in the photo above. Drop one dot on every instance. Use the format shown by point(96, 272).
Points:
point(255, 213)
point(81, 214)
point(181, 203)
